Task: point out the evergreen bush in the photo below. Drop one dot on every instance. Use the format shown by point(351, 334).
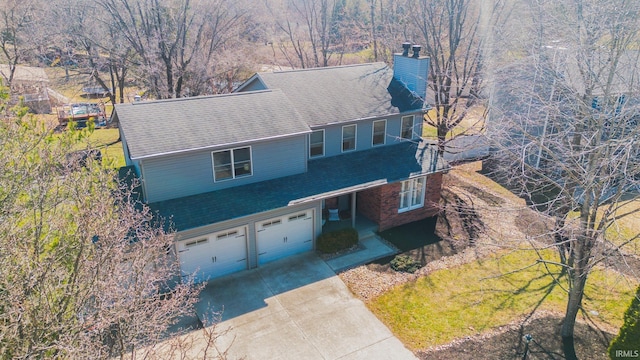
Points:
point(405, 263)
point(627, 343)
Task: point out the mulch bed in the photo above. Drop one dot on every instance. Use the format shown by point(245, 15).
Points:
point(505, 342)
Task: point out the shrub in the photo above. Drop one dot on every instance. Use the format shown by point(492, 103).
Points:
point(335, 241)
point(628, 340)
point(405, 263)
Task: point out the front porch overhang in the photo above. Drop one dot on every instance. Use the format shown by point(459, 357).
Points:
point(326, 177)
point(335, 193)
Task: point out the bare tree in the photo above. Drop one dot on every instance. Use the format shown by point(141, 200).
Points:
point(85, 271)
point(168, 37)
point(311, 42)
point(374, 29)
point(455, 33)
point(394, 27)
point(568, 117)
point(19, 37)
point(106, 57)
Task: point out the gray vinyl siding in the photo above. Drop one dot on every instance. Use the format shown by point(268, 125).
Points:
point(394, 128)
point(255, 85)
point(333, 140)
point(412, 72)
point(125, 149)
point(364, 134)
point(192, 173)
point(127, 158)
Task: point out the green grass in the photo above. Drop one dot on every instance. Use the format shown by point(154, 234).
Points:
point(113, 154)
point(104, 139)
point(453, 303)
point(626, 228)
point(470, 125)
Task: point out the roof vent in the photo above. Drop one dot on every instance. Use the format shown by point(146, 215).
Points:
point(416, 50)
point(406, 46)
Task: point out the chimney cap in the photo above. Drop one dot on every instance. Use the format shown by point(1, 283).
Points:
point(416, 50)
point(406, 46)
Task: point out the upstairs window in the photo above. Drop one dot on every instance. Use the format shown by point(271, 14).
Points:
point(348, 138)
point(316, 143)
point(412, 194)
point(406, 129)
point(379, 132)
point(231, 164)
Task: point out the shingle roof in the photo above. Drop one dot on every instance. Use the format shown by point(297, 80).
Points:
point(623, 81)
point(169, 126)
point(25, 73)
point(343, 93)
point(385, 164)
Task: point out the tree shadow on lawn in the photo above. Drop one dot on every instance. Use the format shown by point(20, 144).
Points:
point(417, 240)
point(545, 343)
point(541, 327)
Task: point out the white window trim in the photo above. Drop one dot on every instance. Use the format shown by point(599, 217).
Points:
point(323, 145)
point(411, 189)
point(413, 127)
point(373, 132)
point(233, 169)
point(355, 138)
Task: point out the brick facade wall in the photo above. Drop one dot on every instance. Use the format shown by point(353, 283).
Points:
point(381, 204)
point(368, 203)
point(331, 203)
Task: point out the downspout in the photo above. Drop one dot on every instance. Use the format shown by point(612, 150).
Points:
point(353, 209)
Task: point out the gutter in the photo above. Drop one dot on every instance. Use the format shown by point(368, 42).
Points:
point(225, 145)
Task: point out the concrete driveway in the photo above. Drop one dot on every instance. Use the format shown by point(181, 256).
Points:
point(296, 308)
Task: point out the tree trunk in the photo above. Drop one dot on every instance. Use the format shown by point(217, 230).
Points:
point(442, 136)
point(121, 80)
point(578, 279)
point(374, 37)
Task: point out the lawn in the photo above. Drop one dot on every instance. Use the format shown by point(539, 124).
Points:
point(470, 125)
point(473, 298)
point(104, 139)
point(627, 227)
point(107, 141)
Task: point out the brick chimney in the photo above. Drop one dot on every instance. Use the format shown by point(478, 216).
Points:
point(412, 71)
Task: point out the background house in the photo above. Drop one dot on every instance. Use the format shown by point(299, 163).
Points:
point(249, 177)
point(31, 83)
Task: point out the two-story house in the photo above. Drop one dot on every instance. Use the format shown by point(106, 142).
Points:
point(250, 177)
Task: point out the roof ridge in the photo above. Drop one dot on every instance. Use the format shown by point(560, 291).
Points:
point(322, 68)
point(200, 97)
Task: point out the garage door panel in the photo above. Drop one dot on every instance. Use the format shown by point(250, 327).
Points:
point(214, 254)
point(284, 236)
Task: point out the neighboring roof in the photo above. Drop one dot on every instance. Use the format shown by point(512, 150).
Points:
point(25, 73)
point(562, 68)
point(343, 93)
point(625, 77)
point(154, 128)
point(325, 177)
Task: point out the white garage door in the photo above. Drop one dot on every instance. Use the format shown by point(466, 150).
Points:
point(285, 235)
point(214, 254)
